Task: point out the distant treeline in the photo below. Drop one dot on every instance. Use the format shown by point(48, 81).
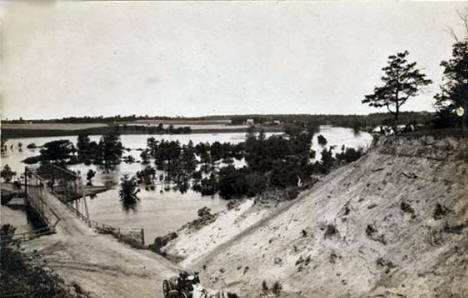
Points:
point(126, 129)
point(354, 121)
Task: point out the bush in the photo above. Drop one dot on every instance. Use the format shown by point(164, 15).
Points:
point(128, 192)
point(405, 207)
point(440, 211)
point(18, 278)
point(232, 182)
point(208, 186)
point(256, 183)
point(32, 160)
point(330, 231)
point(264, 286)
point(349, 155)
point(277, 288)
point(322, 140)
point(7, 174)
point(284, 174)
point(204, 212)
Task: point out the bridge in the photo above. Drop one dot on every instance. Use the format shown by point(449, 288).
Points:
point(100, 264)
point(54, 194)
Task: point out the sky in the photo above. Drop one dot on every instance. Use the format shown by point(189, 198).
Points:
point(176, 58)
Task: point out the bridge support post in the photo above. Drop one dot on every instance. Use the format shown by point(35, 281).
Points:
point(77, 206)
point(84, 201)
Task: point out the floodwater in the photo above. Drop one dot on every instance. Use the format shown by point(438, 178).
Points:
point(158, 211)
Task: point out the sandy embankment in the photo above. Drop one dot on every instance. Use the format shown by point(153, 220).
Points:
point(391, 224)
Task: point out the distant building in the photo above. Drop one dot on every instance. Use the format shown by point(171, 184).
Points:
point(249, 122)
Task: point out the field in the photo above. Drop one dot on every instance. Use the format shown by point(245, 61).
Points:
point(221, 122)
point(18, 130)
point(52, 126)
point(192, 126)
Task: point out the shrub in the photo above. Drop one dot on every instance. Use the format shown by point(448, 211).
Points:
point(208, 186)
point(349, 155)
point(330, 231)
point(370, 230)
point(32, 160)
point(204, 212)
point(405, 207)
point(321, 140)
point(90, 175)
point(7, 174)
point(440, 211)
point(128, 192)
point(264, 286)
point(19, 278)
point(256, 183)
point(276, 289)
point(232, 182)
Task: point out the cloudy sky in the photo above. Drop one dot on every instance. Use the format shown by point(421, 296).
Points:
point(204, 58)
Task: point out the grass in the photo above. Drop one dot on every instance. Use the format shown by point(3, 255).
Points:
point(19, 278)
point(52, 126)
point(43, 131)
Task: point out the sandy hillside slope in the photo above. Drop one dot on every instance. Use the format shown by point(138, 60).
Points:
point(392, 224)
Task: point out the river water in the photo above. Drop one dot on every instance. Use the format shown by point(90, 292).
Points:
point(158, 211)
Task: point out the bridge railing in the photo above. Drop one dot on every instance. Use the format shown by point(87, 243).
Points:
point(132, 235)
point(35, 190)
point(37, 187)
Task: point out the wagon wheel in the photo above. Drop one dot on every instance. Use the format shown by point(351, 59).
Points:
point(166, 288)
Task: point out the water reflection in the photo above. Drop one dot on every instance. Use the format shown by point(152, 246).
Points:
point(162, 207)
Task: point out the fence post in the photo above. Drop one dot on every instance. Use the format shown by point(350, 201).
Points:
point(77, 207)
point(86, 210)
point(142, 236)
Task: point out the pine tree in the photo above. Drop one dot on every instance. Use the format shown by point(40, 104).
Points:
point(401, 81)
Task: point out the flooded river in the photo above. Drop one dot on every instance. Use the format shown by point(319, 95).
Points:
point(158, 211)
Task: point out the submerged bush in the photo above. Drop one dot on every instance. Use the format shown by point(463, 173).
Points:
point(128, 192)
point(349, 155)
point(322, 140)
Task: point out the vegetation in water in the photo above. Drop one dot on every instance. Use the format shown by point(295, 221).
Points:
point(90, 175)
point(128, 192)
point(7, 174)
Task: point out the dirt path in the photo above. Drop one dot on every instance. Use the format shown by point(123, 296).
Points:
point(99, 263)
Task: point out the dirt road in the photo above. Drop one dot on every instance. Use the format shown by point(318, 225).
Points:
point(99, 263)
